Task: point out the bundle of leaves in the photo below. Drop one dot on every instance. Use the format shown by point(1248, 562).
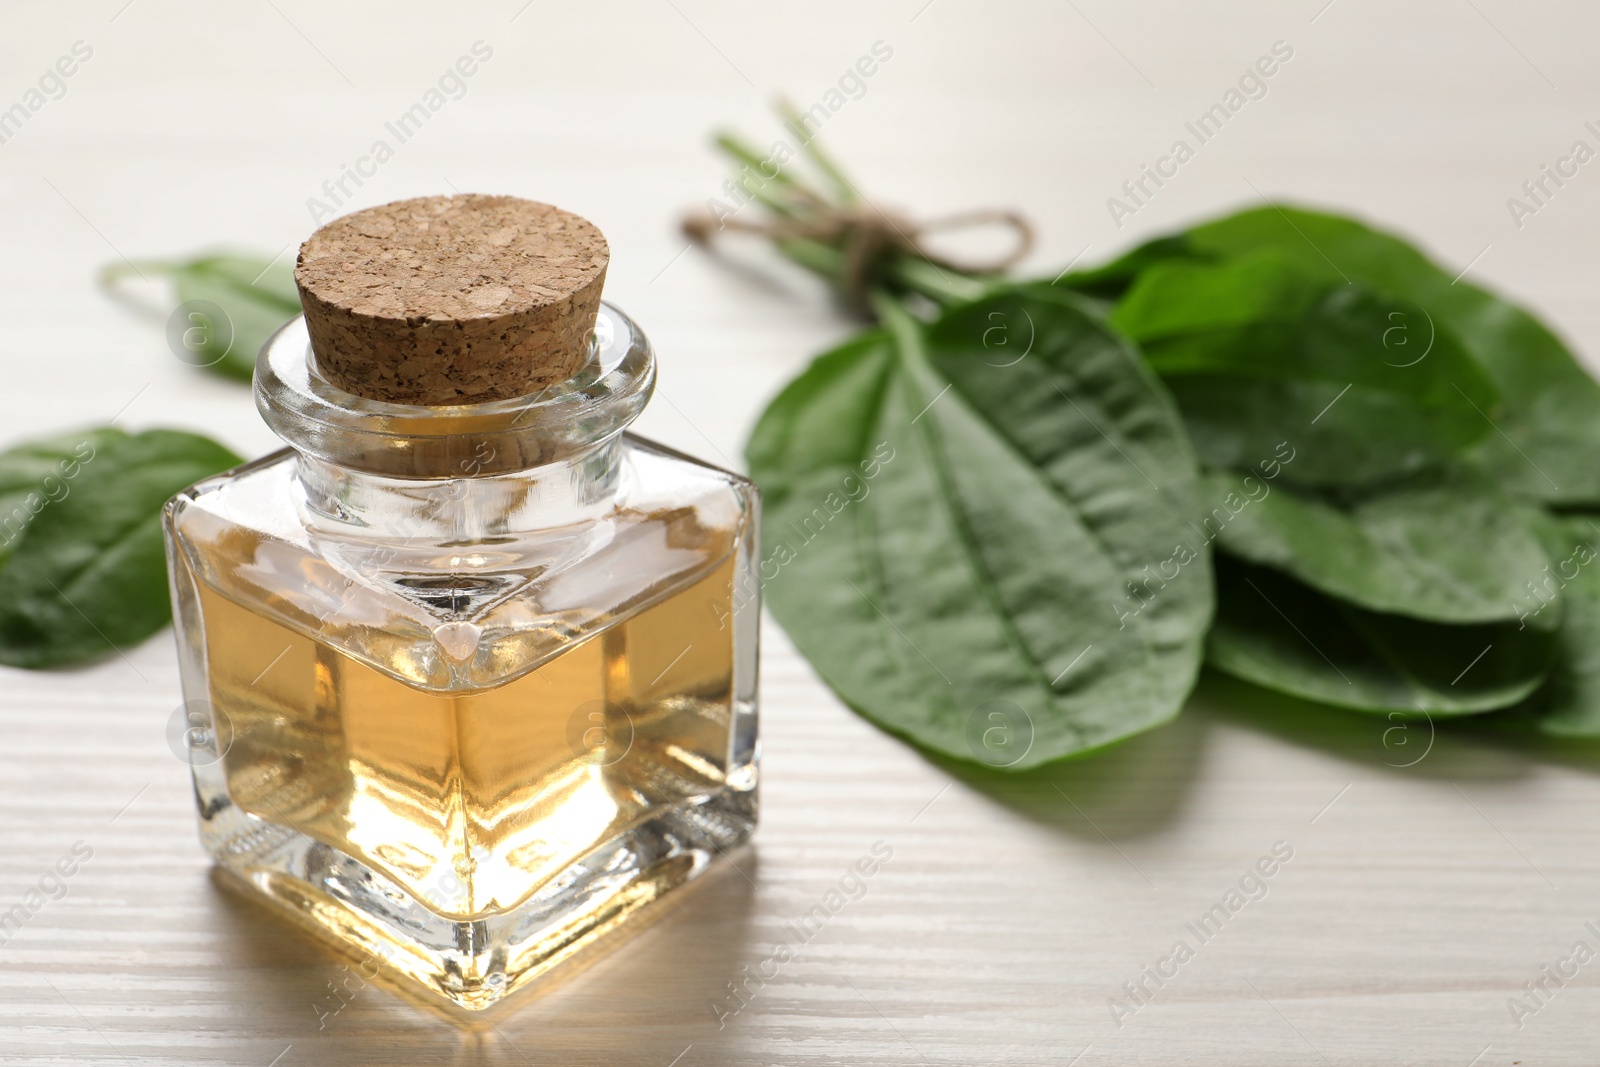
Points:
point(1282, 443)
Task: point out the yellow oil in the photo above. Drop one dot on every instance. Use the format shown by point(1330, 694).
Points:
point(471, 801)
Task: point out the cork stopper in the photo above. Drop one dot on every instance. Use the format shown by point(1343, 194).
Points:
point(452, 299)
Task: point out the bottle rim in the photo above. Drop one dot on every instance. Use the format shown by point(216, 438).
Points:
point(558, 423)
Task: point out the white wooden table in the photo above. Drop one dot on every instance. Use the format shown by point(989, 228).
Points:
point(1419, 898)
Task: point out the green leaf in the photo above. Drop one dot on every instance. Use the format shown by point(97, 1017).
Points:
point(89, 574)
point(1111, 280)
point(1550, 426)
point(954, 515)
point(35, 474)
point(1177, 297)
point(1400, 550)
point(1570, 701)
point(1278, 633)
point(1259, 350)
point(238, 302)
point(802, 431)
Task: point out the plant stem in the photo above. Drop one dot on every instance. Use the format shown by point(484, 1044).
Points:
point(823, 162)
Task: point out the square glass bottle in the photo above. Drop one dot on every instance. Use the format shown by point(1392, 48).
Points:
point(476, 682)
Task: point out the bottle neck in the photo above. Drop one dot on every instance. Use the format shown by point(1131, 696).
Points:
point(460, 472)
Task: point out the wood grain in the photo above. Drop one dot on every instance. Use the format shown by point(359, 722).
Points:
point(1422, 892)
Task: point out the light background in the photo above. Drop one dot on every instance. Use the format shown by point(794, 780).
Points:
point(1416, 903)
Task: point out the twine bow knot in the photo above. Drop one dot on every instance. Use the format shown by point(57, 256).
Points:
point(867, 235)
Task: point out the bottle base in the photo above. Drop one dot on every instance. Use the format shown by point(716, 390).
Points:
point(475, 964)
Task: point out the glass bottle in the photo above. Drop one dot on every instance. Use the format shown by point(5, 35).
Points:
point(477, 682)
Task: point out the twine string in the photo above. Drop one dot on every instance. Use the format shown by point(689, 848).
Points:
point(866, 235)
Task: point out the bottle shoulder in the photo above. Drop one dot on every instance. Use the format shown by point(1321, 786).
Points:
point(444, 614)
point(653, 474)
